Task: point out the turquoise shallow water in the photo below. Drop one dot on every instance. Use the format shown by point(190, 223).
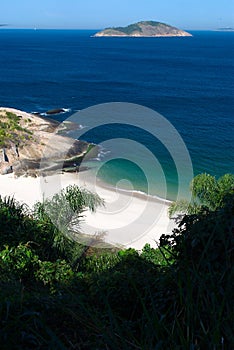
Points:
point(129, 176)
point(187, 80)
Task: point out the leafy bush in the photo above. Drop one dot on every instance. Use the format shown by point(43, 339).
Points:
point(179, 296)
point(101, 263)
point(160, 256)
point(58, 273)
point(207, 192)
point(19, 261)
point(203, 247)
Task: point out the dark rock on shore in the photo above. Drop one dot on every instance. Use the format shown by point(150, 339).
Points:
point(56, 111)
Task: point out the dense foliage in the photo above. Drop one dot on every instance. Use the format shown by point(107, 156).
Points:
point(58, 294)
point(207, 192)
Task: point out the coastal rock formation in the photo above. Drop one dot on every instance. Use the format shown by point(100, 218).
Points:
point(25, 137)
point(56, 111)
point(143, 29)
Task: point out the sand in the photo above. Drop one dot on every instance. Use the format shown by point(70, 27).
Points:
point(128, 219)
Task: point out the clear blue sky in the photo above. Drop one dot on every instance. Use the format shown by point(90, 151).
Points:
point(95, 14)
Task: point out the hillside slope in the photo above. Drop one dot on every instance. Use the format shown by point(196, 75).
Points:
point(143, 29)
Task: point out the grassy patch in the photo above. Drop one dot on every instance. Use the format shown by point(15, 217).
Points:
point(11, 129)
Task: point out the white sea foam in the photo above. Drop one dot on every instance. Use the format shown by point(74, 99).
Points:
point(62, 111)
point(134, 193)
point(65, 110)
point(102, 154)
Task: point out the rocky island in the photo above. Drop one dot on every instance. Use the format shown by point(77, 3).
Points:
point(26, 139)
point(143, 29)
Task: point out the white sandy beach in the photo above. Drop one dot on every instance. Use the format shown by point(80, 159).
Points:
point(127, 219)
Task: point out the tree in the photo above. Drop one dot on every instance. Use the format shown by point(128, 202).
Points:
point(207, 192)
point(66, 208)
point(65, 211)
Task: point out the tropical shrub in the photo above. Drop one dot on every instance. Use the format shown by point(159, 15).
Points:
point(207, 192)
point(179, 296)
point(203, 248)
point(160, 256)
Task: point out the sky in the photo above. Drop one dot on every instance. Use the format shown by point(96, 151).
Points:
point(99, 14)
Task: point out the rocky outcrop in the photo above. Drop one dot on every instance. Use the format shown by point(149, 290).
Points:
point(143, 29)
point(34, 138)
point(55, 111)
point(4, 156)
point(7, 170)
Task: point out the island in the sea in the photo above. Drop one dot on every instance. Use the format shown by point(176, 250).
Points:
point(143, 29)
point(225, 29)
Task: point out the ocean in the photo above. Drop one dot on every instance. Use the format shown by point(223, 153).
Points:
point(188, 81)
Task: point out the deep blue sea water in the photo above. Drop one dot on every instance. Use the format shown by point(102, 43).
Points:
point(187, 80)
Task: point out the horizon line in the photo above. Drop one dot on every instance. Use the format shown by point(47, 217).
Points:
point(93, 29)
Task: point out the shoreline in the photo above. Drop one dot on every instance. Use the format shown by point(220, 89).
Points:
point(128, 219)
point(142, 36)
point(135, 193)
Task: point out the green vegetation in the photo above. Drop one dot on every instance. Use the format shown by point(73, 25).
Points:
point(11, 130)
point(58, 294)
point(207, 192)
point(129, 29)
point(136, 27)
point(152, 23)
